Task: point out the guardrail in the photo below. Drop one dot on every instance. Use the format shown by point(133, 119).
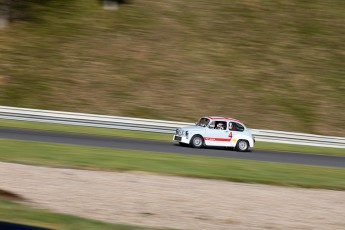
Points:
point(161, 126)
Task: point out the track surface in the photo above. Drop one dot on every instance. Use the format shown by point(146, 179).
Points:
point(13, 226)
point(168, 147)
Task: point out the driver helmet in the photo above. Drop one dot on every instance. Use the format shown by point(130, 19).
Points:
point(220, 126)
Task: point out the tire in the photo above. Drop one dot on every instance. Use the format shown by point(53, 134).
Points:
point(197, 142)
point(242, 146)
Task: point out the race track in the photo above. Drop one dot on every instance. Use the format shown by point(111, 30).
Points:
point(169, 147)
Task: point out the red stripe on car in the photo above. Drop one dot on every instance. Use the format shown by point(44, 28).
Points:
point(216, 139)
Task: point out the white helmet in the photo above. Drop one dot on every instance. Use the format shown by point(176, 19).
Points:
point(220, 126)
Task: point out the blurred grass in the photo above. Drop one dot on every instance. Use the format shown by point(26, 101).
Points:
point(159, 136)
point(272, 64)
point(22, 214)
point(60, 155)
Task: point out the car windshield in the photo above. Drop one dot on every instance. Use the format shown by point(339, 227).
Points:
point(203, 122)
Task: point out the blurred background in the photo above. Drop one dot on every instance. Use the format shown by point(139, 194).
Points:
point(271, 64)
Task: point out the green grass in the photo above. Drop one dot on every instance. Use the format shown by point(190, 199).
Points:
point(275, 65)
point(14, 212)
point(248, 171)
point(159, 136)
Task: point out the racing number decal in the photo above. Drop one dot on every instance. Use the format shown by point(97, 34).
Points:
point(230, 135)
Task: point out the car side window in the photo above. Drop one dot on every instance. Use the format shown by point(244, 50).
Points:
point(203, 122)
point(233, 126)
point(220, 125)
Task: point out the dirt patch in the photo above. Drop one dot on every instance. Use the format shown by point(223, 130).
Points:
point(4, 80)
point(10, 195)
point(146, 199)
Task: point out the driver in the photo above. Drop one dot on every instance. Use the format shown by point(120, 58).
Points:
point(220, 126)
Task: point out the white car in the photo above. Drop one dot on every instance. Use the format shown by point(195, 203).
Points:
point(216, 131)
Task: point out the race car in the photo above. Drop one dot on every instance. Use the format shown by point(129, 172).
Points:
point(216, 131)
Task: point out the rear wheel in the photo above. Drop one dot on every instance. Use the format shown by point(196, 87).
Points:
point(242, 146)
point(197, 142)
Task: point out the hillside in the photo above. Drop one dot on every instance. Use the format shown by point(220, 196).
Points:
point(272, 64)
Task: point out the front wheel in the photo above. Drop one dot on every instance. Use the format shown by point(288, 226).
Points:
point(242, 146)
point(197, 142)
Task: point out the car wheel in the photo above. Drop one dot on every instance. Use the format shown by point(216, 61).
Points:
point(197, 142)
point(242, 145)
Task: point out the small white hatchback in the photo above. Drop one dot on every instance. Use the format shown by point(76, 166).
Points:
point(216, 131)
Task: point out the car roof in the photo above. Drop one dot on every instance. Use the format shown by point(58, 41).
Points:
point(220, 118)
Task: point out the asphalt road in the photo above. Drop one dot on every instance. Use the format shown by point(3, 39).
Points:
point(14, 226)
point(169, 147)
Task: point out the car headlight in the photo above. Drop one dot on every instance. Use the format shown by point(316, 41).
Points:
point(181, 132)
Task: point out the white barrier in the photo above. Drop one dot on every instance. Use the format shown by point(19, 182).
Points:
point(127, 123)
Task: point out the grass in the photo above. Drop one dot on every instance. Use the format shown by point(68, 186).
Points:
point(159, 136)
point(19, 213)
point(272, 64)
point(60, 155)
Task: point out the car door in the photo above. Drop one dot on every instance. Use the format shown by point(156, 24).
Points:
point(235, 131)
point(217, 137)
